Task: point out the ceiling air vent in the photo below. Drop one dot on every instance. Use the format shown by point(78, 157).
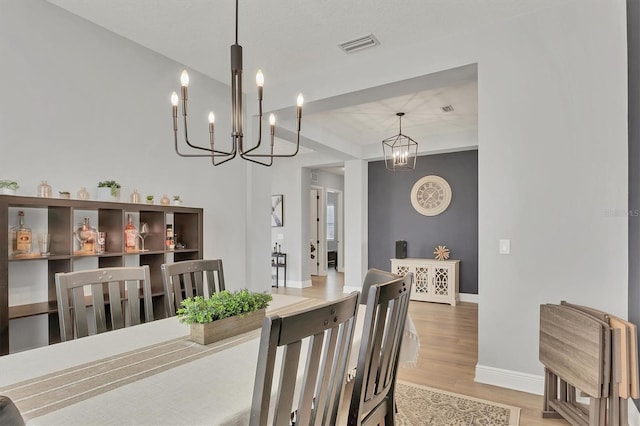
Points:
point(359, 44)
point(447, 108)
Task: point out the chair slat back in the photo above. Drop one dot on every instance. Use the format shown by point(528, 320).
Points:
point(315, 346)
point(122, 285)
point(187, 279)
point(372, 401)
point(9, 413)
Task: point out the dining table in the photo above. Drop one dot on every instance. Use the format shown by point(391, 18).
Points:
point(149, 374)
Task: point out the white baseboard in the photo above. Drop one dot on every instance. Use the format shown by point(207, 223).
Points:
point(468, 297)
point(530, 383)
point(464, 297)
point(510, 379)
point(298, 284)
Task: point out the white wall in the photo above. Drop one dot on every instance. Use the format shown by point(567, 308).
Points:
point(83, 105)
point(552, 160)
point(356, 220)
point(292, 180)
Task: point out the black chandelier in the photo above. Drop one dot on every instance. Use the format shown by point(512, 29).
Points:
point(219, 156)
point(400, 151)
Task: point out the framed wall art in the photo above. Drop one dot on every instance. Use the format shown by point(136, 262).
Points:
point(277, 202)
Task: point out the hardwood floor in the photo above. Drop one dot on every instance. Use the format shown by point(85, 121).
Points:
point(448, 350)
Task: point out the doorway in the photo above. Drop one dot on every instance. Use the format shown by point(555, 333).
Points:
point(317, 245)
point(335, 227)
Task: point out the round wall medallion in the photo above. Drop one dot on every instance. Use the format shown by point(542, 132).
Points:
point(431, 195)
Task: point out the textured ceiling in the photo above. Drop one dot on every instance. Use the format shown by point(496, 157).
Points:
point(295, 44)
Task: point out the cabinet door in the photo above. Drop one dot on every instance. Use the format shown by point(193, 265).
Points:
point(441, 283)
point(400, 269)
point(421, 289)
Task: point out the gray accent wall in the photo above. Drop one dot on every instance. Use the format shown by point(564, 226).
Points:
point(633, 47)
point(392, 217)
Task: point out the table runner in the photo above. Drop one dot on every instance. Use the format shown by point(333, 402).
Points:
point(41, 395)
point(156, 372)
point(49, 393)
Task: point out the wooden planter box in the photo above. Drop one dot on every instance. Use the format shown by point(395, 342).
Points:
point(227, 327)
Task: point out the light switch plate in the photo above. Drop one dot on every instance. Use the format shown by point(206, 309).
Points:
point(505, 246)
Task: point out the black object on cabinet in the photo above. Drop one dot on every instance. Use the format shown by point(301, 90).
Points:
point(401, 249)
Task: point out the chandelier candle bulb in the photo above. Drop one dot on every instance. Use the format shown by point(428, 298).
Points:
point(299, 102)
point(174, 110)
point(184, 78)
point(272, 125)
point(184, 83)
point(212, 119)
point(260, 83)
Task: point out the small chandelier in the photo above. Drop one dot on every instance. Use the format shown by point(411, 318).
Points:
point(400, 151)
point(237, 146)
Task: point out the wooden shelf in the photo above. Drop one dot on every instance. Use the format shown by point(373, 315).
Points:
point(31, 309)
point(61, 220)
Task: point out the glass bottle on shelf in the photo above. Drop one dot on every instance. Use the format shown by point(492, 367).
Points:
point(165, 201)
point(83, 194)
point(169, 243)
point(22, 236)
point(44, 190)
point(130, 236)
point(87, 237)
point(135, 197)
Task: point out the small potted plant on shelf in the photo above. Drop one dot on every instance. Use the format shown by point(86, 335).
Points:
point(8, 187)
point(223, 315)
point(176, 200)
point(149, 199)
point(108, 190)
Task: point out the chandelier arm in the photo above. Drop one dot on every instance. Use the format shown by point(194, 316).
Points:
point(175, 140)
point(256, 161)
point(272, 155)
point(213, 159)
point(186, 137)
point(210, 154)
point(259, 139)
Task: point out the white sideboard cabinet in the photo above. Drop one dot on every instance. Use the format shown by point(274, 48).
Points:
point(433, 280)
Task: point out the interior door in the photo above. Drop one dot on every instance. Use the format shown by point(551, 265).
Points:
point(314, 223)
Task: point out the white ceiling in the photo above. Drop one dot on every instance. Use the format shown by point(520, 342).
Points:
point(295, 44)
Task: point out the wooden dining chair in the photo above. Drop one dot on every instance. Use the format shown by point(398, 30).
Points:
point(311, 367)
point(9, 413)
point(84, 295)
point(187, 279)
point(373, 397)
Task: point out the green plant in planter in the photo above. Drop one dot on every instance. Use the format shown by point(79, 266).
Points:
point(115, 186)
point(198, 310)
point(9, 184)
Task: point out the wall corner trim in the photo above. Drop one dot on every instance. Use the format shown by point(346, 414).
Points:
point(510, 379)
point(468, 297)
point(349, 289)
point(299, 284)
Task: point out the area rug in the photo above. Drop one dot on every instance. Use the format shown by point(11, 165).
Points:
point(421, 405)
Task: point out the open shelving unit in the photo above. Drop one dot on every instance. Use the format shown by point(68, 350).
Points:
point(60, 217)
